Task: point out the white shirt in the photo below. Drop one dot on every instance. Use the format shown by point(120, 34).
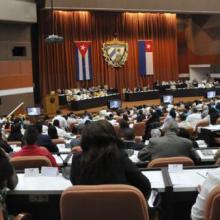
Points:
point(212, 180)
point(62, 120)
point(62, 134)
point(193, 119)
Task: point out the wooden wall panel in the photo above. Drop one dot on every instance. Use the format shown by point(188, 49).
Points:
point(19, 81)
point(15, 74)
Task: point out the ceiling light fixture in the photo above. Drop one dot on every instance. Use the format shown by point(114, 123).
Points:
point(53, 38)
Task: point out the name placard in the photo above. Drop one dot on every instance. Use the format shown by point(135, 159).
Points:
point(31, 172)
point(175, 168)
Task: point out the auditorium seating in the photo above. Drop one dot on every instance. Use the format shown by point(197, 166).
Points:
point(18, 143)
point(139, 129)
point(163, 162)
point(22, 162)
point(201, 123)
point(100, 202)
point(213, 205)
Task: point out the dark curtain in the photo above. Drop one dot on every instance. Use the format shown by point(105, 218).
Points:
point(57, 61)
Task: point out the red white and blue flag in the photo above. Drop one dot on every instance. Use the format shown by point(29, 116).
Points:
point(146, 64)
point(83, 60)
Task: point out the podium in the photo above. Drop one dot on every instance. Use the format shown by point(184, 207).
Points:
point(51, 104)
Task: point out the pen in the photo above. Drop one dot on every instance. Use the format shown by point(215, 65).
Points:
point(204, 176)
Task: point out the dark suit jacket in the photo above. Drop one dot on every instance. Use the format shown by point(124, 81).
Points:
point(122, 171)
point(4, 145)
point(15, 137)
point(45, 141)
point(132, 145)
point(8, 177)
point(170, 145)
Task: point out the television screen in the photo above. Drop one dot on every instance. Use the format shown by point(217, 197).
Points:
point(33, 111)
point(167, 99)
point(114, 104)
point(211, 94)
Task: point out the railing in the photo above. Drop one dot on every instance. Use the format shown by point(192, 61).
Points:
point(17, 110)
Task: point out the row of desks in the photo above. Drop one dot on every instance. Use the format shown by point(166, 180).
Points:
point(156, 94)
point(40, 195)
point(137, 96)
point(93, 102)
point(184, 181)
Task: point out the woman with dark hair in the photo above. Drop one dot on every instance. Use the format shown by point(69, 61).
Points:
point(15, 134)
point(123, 125)
point(52, 132)
point(103, 160)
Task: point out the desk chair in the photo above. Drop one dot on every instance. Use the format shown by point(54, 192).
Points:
point(163, 162)
point(1, 216)
point(218, 121)
point(18, 143)
point(213, 205)
point(139, 129)
point(217, 159)
point(22, 162)
point(21, 216)
point(103, 202)
point(190, 131)
point(201, 123)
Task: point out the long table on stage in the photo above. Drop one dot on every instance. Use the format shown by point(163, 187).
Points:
point(93, 102)
point(156, 94)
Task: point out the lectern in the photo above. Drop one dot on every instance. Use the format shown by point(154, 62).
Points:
point(51, 104)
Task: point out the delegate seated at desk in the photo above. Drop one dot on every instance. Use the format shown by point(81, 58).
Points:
point(31, 149)
point(169, 145)
point(103, 161)
point(211, 181)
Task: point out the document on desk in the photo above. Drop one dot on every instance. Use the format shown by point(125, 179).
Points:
point(188, 180)
point(62, 148)
point(155, 178)
point(134, 157)
point(212, 127)
point(40, 184)
point(178, 179)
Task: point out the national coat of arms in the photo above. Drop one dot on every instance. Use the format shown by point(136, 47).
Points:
point(115, 52)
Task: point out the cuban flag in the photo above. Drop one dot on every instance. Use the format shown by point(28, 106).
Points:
point(146, 65)
point(83, 60)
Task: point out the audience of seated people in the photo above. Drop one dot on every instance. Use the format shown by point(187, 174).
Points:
point(44, 140)
point(31, 148)
point(15, 133)
point(99, 139)
point(76, 94)
point(129, 140)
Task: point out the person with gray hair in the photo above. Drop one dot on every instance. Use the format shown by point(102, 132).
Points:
point(169, 145)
